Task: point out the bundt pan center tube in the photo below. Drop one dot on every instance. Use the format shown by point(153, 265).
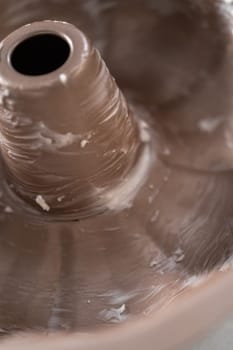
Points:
point(115, 195)
point(69, 140)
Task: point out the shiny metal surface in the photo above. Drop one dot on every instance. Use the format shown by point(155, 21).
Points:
point(173, 61)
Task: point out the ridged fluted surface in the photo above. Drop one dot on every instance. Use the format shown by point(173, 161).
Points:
point(174, 64)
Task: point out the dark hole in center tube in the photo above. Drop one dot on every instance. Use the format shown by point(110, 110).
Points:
point(40, 54)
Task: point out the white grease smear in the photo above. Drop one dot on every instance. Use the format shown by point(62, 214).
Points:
point(8, 210)
point(153, 196)
point(179, 255)
point(227, 265)
point(42, 203)
point(119, 297)
point(194, 281)
point(114, 314)
point(155, 216)
point(83, 143)
point(3, 93)
point(55, 140)
point(144, 132)
point(60, 199)
point(209, 124)
point(122, 196)
point(154, 263)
